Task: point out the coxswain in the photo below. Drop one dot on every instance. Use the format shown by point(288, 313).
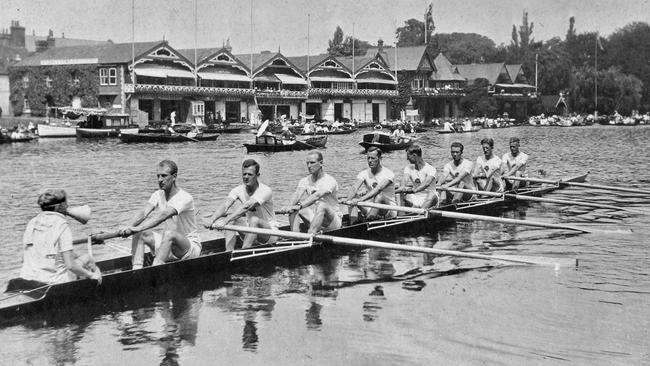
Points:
point(457, 174)
point(166, 223)
point(315, 200)
point(514, 164)
point(448, 126)
point(48, 254)
point(418, 187)
point(378, 182)
point(253, 207)
point(487, 170)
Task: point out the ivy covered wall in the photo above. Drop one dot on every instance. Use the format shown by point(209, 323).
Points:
point(67, 81)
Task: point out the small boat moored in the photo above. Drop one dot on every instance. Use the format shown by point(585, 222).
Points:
point(384, 141)
point(165, 137)
point(272, 143)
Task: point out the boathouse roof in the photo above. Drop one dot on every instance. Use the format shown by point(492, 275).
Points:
point(89, 54)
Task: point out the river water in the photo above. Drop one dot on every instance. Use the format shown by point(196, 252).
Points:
point(355, 309)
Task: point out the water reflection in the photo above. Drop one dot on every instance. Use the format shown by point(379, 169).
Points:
point(372, 306)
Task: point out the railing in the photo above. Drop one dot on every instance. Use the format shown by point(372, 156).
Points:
point(180, 89)
point(443, 92)
point(326, 92)
point(281, 93)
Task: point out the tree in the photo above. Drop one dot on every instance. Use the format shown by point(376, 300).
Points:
point(628, 48)
point(477, 102)
point(554, 68)
point(572, 31)
point(336, 46)
point(616, 91)
point(463, 48)
point(411, 34)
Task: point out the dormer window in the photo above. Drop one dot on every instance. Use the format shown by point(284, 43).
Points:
point(223, 58)
point(374, 66)
point(330, 63)
point(163, 52)
point(279, 62)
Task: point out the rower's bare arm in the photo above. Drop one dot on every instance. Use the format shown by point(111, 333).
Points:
point(314, 197)
point(75, 266)
point(375, 191)
point(425, 184)
point(154, 220)
point(241, 210)
point(142, 214)
point(221, 210)
point(355, 189)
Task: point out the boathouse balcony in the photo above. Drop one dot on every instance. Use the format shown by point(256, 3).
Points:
point(438, 92)
point(327, 92)
point(182, 89)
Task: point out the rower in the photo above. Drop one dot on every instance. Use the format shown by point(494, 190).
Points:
point(457, 174)
point(315, 200)
point(418, 187)
point(166, 223)
point(514, 164)
point(255, 201)
point(487, 170)
point(379, 188)
point(48, 253)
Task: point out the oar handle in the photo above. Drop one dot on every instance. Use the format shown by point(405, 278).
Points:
point(470, 191)
point(98, 238)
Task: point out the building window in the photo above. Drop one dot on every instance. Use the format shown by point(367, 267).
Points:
point(26, 104)
point(48, 82)
point(198, 109)
point(418, 83)
point(108, 76)
point(25, 81)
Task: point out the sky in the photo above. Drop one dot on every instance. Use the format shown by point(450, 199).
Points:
point(297, 27)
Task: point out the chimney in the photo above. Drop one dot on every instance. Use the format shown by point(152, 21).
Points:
point(5, 38)
point(17, 34)
point(228, 46)
point(50, 39)
point(380, 45)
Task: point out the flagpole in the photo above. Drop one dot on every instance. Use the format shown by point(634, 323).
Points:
point(353, 50)
point(596, 75)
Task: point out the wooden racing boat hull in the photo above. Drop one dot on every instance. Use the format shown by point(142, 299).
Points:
point(119, 279)
point(161, 137)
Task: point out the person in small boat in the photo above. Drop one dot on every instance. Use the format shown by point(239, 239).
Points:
point(398, 135)
point(448, 126)
point(418, 187)
point(487, 170)
point(167, 222)
point(467, 125)
point(48, 254)
point(514, 164)
point(253, 207)
point(287, 136)
point(457, 174)
point(379, 188)
point(315, 200)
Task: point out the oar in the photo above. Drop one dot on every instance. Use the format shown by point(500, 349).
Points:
point(465, 216)
point(522, 197)
point(187, 137)
point(578, 184)
point(544, 261)
point(97, 238)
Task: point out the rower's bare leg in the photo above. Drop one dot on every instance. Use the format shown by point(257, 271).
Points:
point(172, 242)
point(137, 248)
point(250, 238)
point(232, 236)
point(323, 214)
point(294, 222)
point(431, 201)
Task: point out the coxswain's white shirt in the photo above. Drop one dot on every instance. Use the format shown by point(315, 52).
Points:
point(46, 237)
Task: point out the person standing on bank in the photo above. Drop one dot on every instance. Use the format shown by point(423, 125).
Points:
point(315, 200)
point(48, 255)
point(255, 201)
point(170, 213)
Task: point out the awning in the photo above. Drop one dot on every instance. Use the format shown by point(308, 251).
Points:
point(267, 79)
point(177, 73)
point(331, 79)
point(151, 72)
point(377, 81)
point(224, 76)
point(290, 79)
point(525, 86)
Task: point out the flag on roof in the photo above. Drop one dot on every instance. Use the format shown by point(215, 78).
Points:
point(429, 26)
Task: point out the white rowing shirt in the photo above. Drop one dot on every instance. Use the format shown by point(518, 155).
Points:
point(326, 183)
point(46, 237)
point(184, 222)
point(451, 171)
point(372, 180)
point(415, 177)
point(509, 161)
point(263, 196)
